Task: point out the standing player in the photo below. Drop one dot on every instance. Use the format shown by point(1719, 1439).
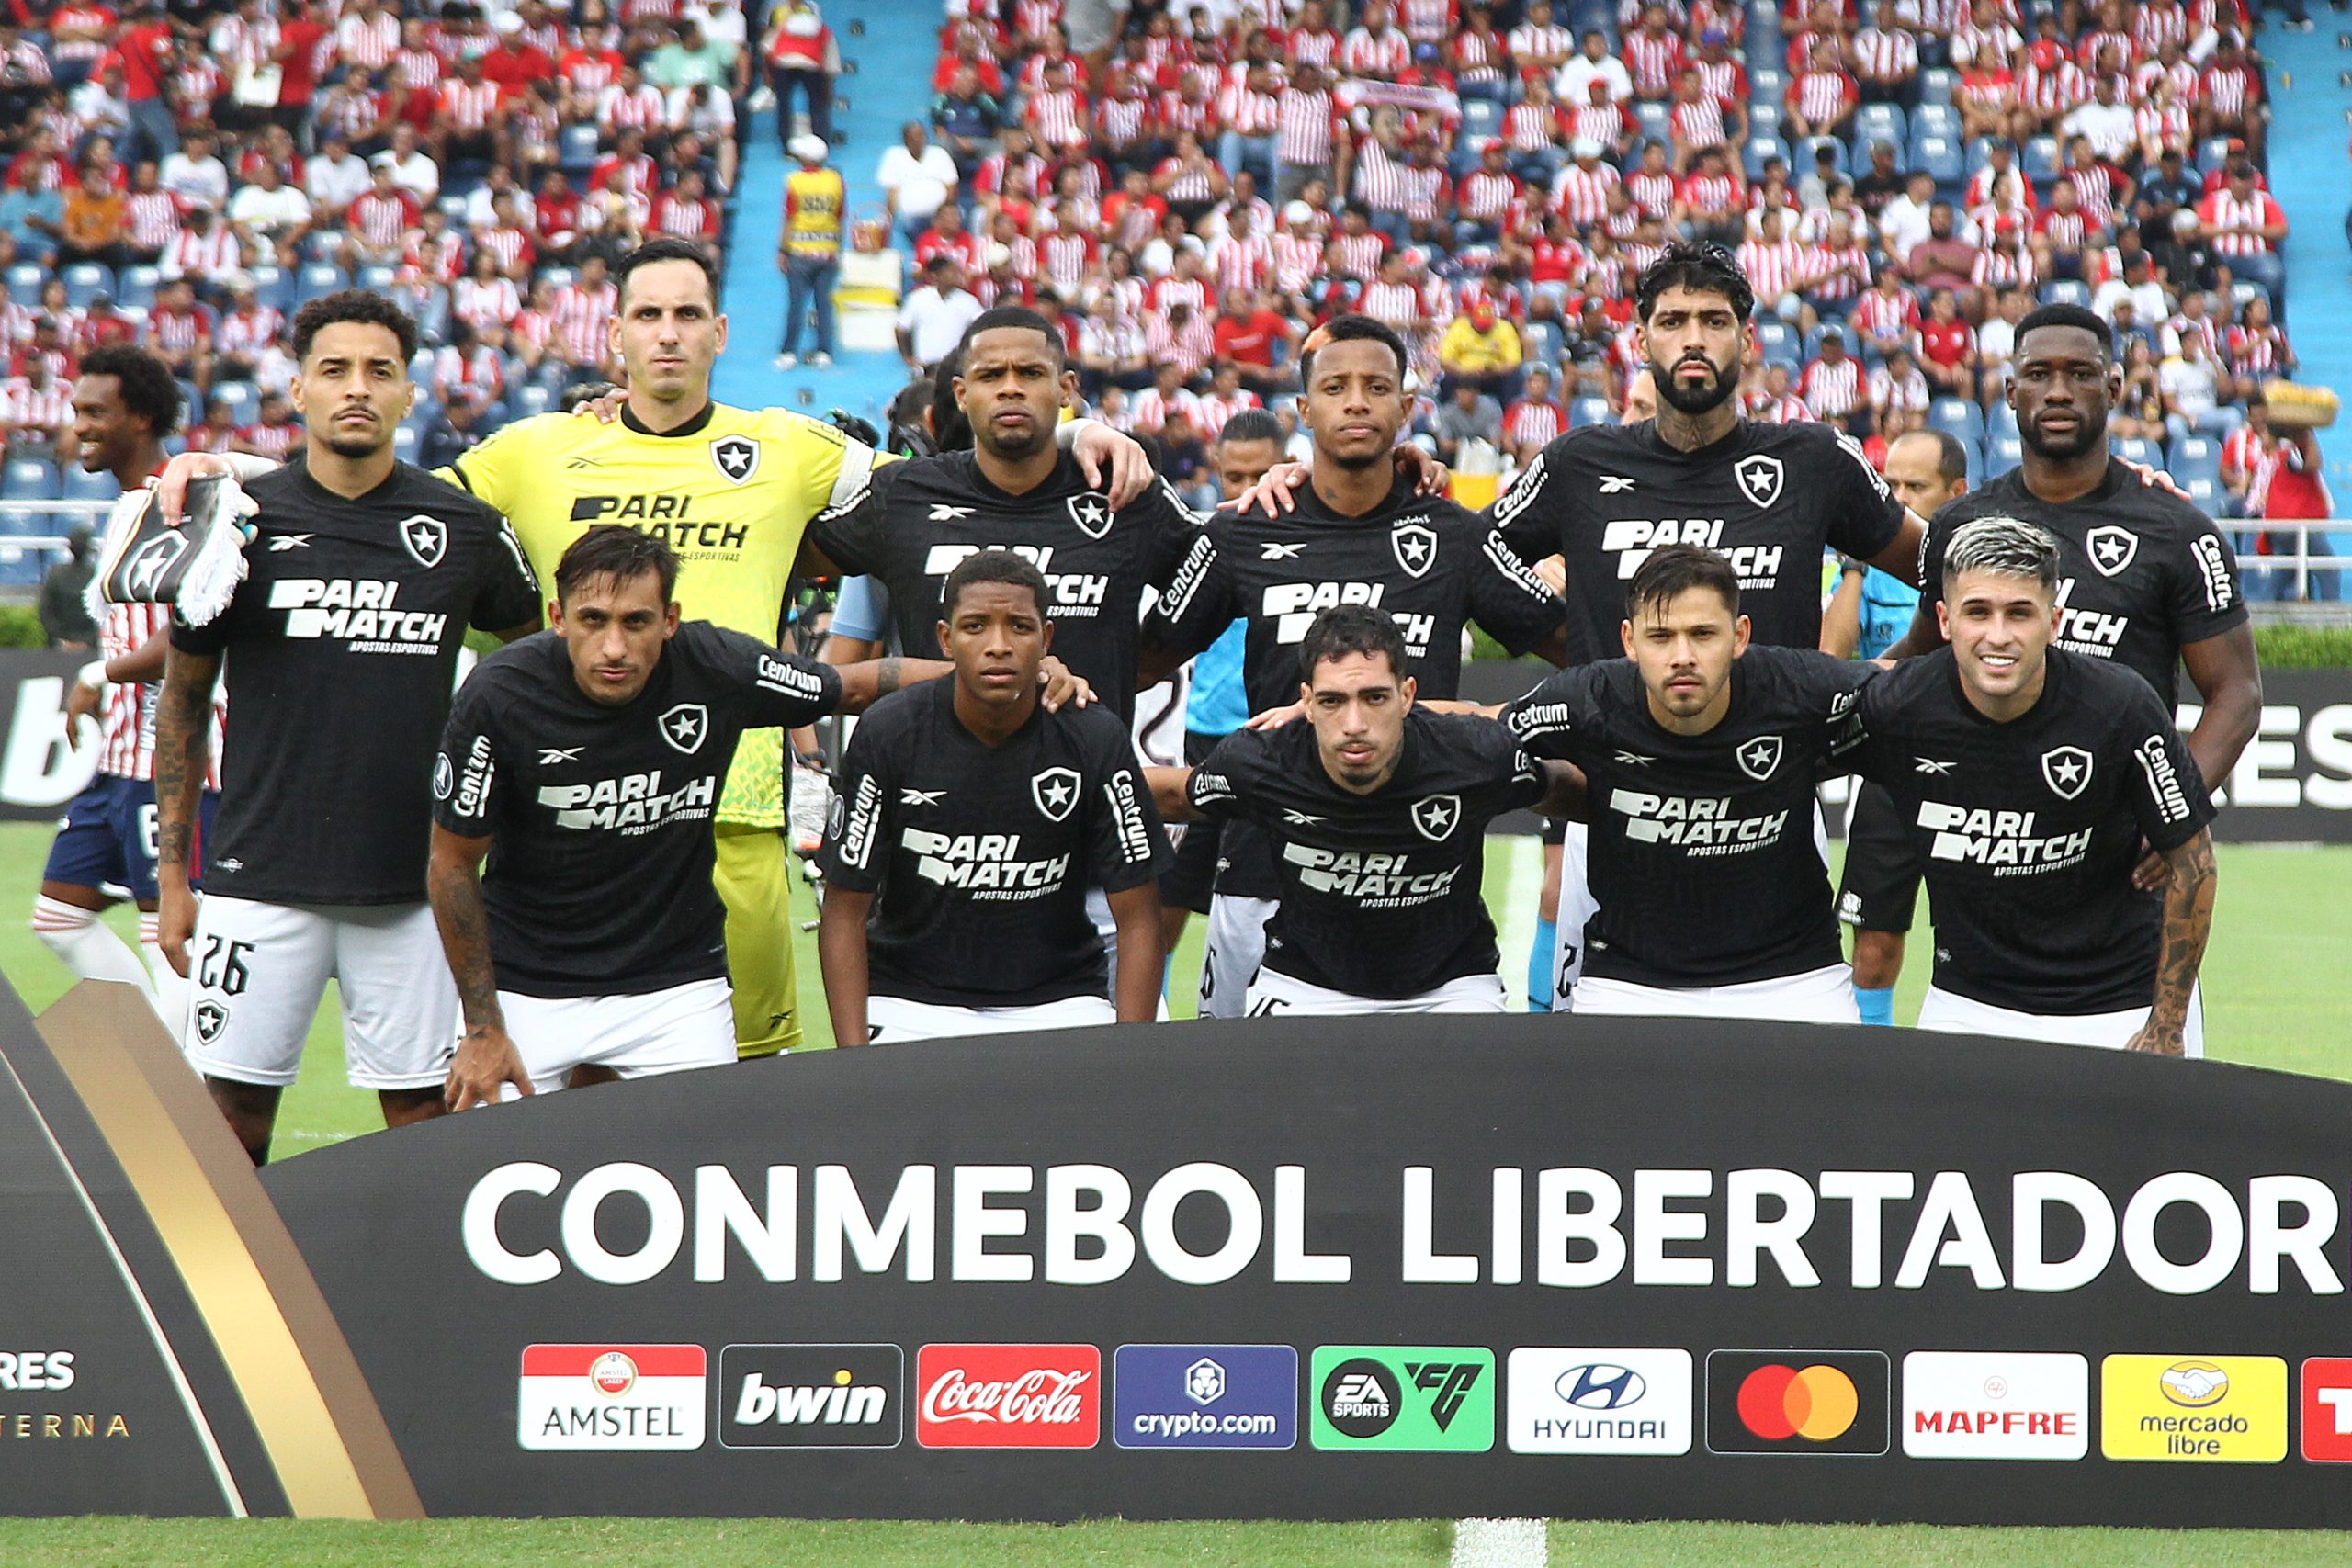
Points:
point(124, 404)
point(1768, 497)
point(971, 824)
point(341, 646)
point(591, 755)
point(1361, 535)
point(1699, 753)
point(2034, 774)
point(733, 492)
point(1380, 809)
point(1879, 888)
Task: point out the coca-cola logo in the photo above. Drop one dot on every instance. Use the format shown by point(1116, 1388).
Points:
point(1009, 1396)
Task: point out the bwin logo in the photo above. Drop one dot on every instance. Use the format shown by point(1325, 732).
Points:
point(1600, 1386)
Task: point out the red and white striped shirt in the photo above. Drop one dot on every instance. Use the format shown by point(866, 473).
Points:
point(683, 220)
point(1067, 254)
point(1188, 348)
point(576, 319)
point(1362, 54)
point(619, 109)
point(1381, 181)
point(2254, 353)
point(1245, 261)
point(1121, 119)
point(1306, 47)
point(2219, 211)
point(2053, 91)
point(1358, 254)
point(1397, 304)
point(23, 407)
point(1772, 269)
point(1296, 258)
point(1709, 194)
point(2182, 73)
point(1582, 194)
point(1653, 63)
point(2064, 230)
point(1604, 123)
point(1892, 55)
point(1304, 132)
point(1428, 21)
point(1057, 119)
point(1698, 123)
point(1831, 389)
point(1653, 195)
point(369, 42)
point(380, 219)
point(242, 334)
point(422, 69)
point(473, 379)
point(1166, 293)
point(481, 304)
point(1788, 409)
point(1999, 268)
point(1149, 409)
point(588, 72)
point(1841, 271)
point(178, 331)
point(153, 219)
point(1249, 113)
point(512, 246)
point(1824, 96)
point(127, 733)
point(1211, 412)
point(272, 441)
point(202, 253)
point(469, 105)
point(1533, 420)
point(1531, 127)
point(1881, 316)
point(1484, 197)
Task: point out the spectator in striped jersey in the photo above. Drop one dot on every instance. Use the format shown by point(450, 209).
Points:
point(1530, 423)
point(1832, 385)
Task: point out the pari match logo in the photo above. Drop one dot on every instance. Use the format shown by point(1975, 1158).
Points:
point(1419, 1399)
point(1798, 1402)
point(1204, 1396)
point(2194, 1409)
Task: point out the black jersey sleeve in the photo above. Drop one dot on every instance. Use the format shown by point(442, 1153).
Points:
point(856, 537)
point(1215, 786)
point(465, 774)
point(856, 849)
point(777, 690)
point(1126, 843)
point(1199, 601)
point(1550, 721)
point(2168, 795)
point(207, 640)
point(1507, 599)
point(1174, 528)
point(2207, 599)
point(1863, 515)
point(508, 594)
point(1528, 525)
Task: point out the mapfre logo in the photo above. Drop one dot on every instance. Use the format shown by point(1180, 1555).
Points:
point(1009, 1396)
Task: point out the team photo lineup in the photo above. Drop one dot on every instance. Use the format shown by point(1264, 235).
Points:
point(576, 865)
point(1155, 599)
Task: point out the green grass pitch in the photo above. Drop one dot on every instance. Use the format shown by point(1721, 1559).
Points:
point(2282, 929)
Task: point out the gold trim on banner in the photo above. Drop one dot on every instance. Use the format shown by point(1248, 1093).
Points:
point(314, 1413)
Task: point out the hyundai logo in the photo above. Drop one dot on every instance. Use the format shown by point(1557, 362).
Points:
point(1600, 1386)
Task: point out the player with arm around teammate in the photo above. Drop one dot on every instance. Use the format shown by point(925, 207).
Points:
point(970, 822)
point(1378, 812)
point(592, 756)
point(2033, 774)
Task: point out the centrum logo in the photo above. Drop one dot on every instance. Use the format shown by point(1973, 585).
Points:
point(1414, 1398)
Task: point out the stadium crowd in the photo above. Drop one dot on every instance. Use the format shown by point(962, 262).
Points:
point(181, 176)
point(1902, 180)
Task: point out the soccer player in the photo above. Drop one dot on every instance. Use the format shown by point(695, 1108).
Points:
point(1361, 534)
point(2034, 774)
point(592, 756)
point(341, 647)
point(1699, 750)
point(971, 823)
point(1380, 809)
point(730, 489)
point(125, 403)
point(1879, 888)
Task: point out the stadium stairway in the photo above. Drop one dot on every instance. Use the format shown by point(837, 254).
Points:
point(2309, 177)
point(891, 53)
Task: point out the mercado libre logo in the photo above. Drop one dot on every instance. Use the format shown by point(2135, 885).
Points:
point(1798, 1402)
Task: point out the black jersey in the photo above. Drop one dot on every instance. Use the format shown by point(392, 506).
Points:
point(981, 855)
point(1381, 893)
point(1703, 858)
point(342, 645)
point(1770, 497)
point(2029, 830)
point(1429, 563)
point(598, 882)
point(918, 519)
point(2140, 570)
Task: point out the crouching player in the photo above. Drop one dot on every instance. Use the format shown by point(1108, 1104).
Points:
point(1378, 813)
point(592, 756)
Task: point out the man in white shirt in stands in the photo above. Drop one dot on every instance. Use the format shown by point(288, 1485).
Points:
point(934, 316)
point(334, 178)
point(916, 176)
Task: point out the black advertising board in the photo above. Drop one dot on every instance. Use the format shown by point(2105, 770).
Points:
point(40, 772)
point(1370, 1267)
point(2292, 784)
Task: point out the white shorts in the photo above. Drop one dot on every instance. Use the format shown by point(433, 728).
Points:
point(1575, 911)
point(670, 1030)
point(1236, 945)
point(1949, 1014)
point(258, 971)
point(1275, 995)
point(1817, 995)
point(894, 1021)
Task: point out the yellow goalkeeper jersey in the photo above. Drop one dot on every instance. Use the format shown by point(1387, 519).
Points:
point(732, 491)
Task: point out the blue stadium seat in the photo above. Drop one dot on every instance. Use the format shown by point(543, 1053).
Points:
point(1777, 343)
point(1941, 156)
point(1653, 119)
point(1980, 154)
point(2137, 449)
point(531, 397)
point(2193, 454)
point(324, 245)
point(1543, 343)
point(576, 149)
point(316, 280)
point(557, 278)
point(31, 478)
point(406, 441)
point(1960, 416)
point(453, 207)
point(1936, 84)
point(1587, 410)
point(2066, 292)
point(2212, 153)
point(1480, 116)
point(83, 485)
point(1936, 120)
point(420, 366)
point(376, 278)
point(1879, 122)
point(25, 279)
point(2002, 453)
point(1766, 84)
point(2039, 158)
point(272, 288)
point(134, 288)
point(1975, 458)
point(2244, 288)
point(2000, 420)
point(244, 399)
point(1759, 148)
point(84, 281)
point(191, 405)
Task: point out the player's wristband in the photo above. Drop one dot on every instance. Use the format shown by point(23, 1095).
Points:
point(94, 676)
point(1066, 433)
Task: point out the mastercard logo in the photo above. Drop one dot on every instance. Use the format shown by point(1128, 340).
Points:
point(1817, 1402)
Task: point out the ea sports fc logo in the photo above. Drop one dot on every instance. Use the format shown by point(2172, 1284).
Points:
point(1816, 1402)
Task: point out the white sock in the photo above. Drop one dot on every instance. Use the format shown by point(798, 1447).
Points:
point(171, 990)
point(86, 945)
